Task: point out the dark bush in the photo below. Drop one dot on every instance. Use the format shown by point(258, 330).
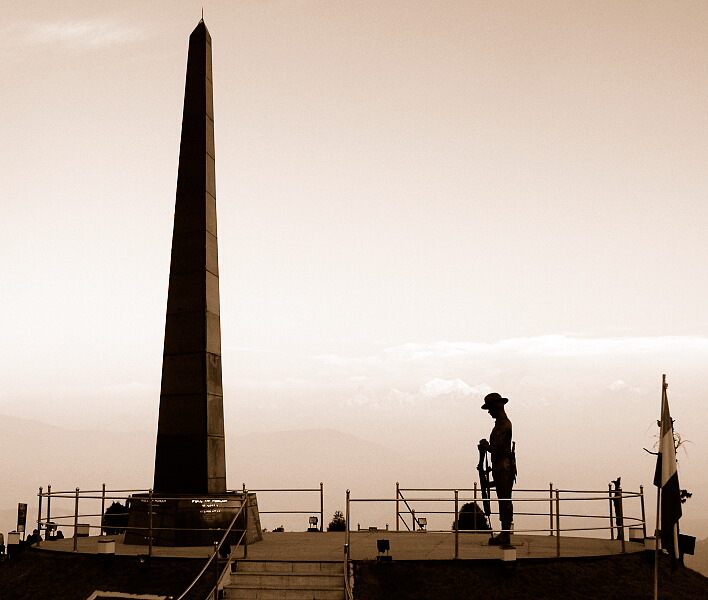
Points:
point(472, 518)
point(115, 519)
point(338, 523)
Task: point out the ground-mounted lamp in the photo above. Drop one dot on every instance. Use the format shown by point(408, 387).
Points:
point(313, 524)
point(383, 546)
point(423, 523)
point(13, 543)
point(508, 554)
point(106, 546)
point(51, 530)
point(508, 559)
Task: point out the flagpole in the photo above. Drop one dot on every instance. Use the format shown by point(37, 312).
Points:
point(658, 497)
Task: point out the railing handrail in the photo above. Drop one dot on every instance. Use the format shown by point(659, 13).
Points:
point(285, 490)
point(217, 547)
point(570, 495)
point(126, 494)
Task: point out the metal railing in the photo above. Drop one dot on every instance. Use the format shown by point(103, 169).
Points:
point(552, 497)
point(94, 518)
point(51, 521)
point(319, 490)
point(616, 498)
point(215, 557)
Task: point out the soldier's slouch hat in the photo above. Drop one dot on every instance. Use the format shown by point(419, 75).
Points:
point(494, 399)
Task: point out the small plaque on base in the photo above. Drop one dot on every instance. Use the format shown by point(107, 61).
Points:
point(192, 521)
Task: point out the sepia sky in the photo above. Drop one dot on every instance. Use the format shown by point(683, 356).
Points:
point(418, 202)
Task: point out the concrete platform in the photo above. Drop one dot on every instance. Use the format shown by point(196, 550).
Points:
point(89, 545)
point(405, 545)
point(424, 546)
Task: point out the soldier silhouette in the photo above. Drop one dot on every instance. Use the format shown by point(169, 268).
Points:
point(499, 447)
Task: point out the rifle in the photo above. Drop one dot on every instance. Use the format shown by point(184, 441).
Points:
point(484, 469)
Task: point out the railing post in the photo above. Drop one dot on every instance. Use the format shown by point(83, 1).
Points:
point(612, 522)
point(346, 548)
point(457, 526)
point(550, 509)
point(475, 491)
point(216, 570)
point(76, 521)
point(39, 511)
point(620, 519)
point(644, 516)
point(150, 522)
point(49, 508)
point(558, 527)
point(321, 506)
point(103, 506)
point(347, 536)
point(413, 515)
point(245, 519)
point(398, 514)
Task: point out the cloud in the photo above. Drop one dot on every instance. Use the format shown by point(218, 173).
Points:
point(434, 390)
point(449, 387)
point(88, 33)
point(358, 400)
point(535, 371)
point(547, 346)
point(619, 385)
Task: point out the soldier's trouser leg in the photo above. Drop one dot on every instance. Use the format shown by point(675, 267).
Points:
point(504, 484)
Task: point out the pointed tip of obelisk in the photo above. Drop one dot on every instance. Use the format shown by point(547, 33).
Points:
point(201, 28)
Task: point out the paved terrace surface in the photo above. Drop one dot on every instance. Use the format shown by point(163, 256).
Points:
point(405, 545)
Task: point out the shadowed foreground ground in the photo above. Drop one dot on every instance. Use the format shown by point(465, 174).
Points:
point(37, 574)
point(626, 577)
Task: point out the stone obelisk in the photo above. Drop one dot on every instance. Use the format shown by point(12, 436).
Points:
point(190, 454)
point(189, 504)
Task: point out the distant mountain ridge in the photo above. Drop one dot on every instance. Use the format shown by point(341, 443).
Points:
point(40, 454)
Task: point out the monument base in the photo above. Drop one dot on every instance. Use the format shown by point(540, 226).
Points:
point(190, 520)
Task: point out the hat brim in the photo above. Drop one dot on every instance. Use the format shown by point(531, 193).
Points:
point(495, 402)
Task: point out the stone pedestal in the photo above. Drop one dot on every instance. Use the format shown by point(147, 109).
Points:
point(192, 521)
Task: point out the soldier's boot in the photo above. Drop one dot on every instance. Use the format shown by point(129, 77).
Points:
point(500, 540)
point(503, 538)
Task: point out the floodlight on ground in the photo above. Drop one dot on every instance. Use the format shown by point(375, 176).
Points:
point(313, 524)
point(423, 522)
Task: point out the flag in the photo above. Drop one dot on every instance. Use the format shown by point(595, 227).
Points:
point(666, 478)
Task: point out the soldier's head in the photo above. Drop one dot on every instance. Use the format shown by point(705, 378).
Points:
point(494, 403)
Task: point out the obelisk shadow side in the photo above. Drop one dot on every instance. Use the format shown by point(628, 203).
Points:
point(190, 453)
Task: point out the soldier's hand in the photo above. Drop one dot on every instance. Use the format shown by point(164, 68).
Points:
point(483, 445)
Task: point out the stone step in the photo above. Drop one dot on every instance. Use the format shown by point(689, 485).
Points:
point(287, 580)
point(285, 566)
point(232, 592)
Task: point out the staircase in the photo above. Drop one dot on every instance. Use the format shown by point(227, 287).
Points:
point(285, 580)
